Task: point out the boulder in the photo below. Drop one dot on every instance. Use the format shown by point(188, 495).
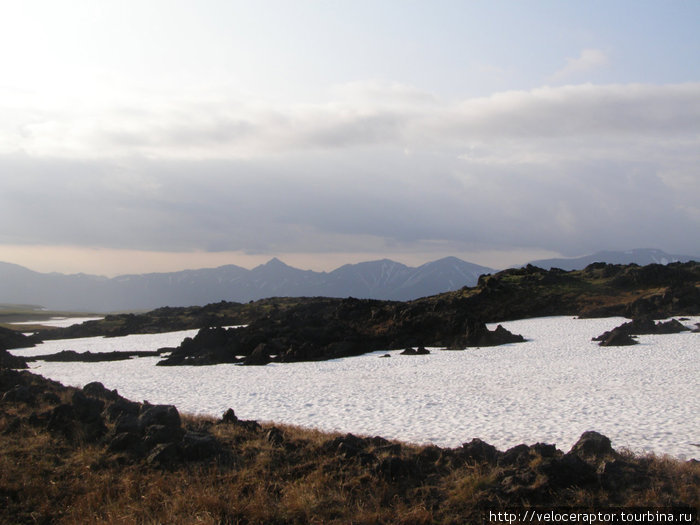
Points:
point(229, 416)
point(621, 335)
point(275, 436)
point(61, 419)
point(97, 389)
point(618, 338)
point(126, 442)
point(671, 327)
point(393, 468)
point(165, 415)
point(196, 446)
point(478, 450)
point(476, 333)
point(347, 446)
point(122, 407)
point(157, 434)
point(164, 455)
point(87, 409)
point(259, 357)
point(568, 471)
point(21, 394)
point(593, 447)
point(127, 423)
point(519, 455)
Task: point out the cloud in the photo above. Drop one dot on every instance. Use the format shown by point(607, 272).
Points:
point(589, 60)
point(574, 168)
point(365, 115)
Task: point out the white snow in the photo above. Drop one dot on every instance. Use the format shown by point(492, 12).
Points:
point(549, 389)
point(137, 342)
point(59, 322)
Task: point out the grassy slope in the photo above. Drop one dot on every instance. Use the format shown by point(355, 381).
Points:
point(302, 477)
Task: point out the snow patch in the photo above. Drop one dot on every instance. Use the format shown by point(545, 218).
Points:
point(549, 389)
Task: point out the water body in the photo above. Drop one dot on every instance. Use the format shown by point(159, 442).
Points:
point(549, 389)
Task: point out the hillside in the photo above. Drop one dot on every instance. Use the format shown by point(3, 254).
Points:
point(89, 455)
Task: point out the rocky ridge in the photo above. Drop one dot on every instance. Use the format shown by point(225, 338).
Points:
point(333, 328)
point(623, 335)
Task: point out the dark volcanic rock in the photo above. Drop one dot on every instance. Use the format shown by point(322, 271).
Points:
point(616, 474)
point(478, 450)
point(157, 434)
point(476, 333)
point(616, 338)
point(121, 407)
point(679, 298)
point(208, 347)
point(671, 327)
point(518, 455)
point(7, 360)
point(126, 442)
point(97, 389)
point(621, 335)
point(259, 357)
point(334, 328)
point(165, 415)
point(593, 447)
point(11, 339)
point(164, 455)
point(421, 350)
point(229, 416)
point(87, 409)
point(393, 468)
point(70, 356)
point(21, 394)
point(275, 436)
point(196, 446)
point(127, 423)
point(569, 471)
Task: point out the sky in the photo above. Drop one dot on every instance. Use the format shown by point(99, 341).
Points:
point(163, 135)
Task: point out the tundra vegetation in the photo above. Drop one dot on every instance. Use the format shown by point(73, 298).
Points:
point(90, 456)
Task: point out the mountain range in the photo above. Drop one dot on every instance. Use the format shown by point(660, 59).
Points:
point(642, 257)
point(382, 279)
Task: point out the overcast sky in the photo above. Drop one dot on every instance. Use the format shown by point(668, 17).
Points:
point(152, 136)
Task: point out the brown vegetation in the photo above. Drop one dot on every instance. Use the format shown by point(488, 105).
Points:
point(66, 470)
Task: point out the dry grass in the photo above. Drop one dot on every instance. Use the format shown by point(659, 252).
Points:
point(45, 478)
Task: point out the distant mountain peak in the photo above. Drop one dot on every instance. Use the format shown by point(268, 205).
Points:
point(640, 256)
point(379, 279)
point(272, 264)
